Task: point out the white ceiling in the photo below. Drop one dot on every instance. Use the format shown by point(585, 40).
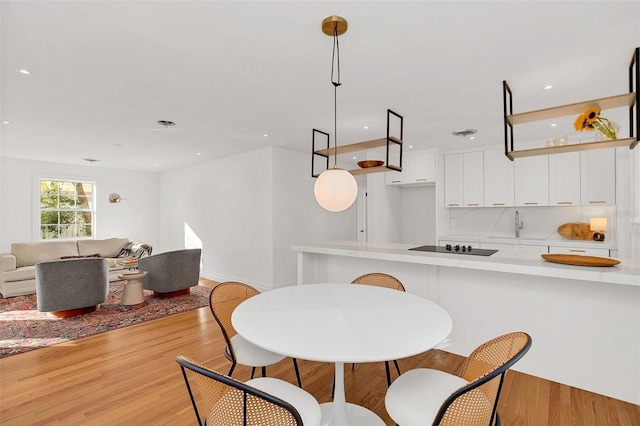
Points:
point(104, 72)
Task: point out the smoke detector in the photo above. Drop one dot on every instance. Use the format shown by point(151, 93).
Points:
point(464, 133)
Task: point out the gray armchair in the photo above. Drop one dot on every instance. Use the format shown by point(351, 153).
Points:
point(72, 286)
point(172, 273)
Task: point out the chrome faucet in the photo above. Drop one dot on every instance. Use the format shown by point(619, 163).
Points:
point(519, 225)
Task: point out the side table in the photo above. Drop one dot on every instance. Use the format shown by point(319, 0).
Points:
point(132, 293)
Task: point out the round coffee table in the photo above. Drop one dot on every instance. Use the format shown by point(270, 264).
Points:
point(132, 293)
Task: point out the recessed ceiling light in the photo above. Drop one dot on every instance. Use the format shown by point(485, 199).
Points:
point(554, 125)
point(548, 86)
point(155, 165)
point(6, 122)
point(197, 153)
point(472, 137)
point(265, 135)
point(410, 146)
point(23, 71)
point(365, 127)
point(354, 158)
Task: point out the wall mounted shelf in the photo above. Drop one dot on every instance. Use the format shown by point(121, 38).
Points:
point(387, 142)
point(630, 100)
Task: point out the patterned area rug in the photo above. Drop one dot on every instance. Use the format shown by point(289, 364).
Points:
point(23, 328)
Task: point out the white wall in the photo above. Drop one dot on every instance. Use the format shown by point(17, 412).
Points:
point(135, 218)
point(246, 211)
point(400, 214)
point(418, 215)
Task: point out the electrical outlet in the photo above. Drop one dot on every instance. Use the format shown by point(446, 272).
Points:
point(452, 223)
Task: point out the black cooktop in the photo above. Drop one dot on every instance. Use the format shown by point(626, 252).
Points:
point(456, 249)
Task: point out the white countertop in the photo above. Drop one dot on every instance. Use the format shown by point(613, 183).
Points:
point(555, 240)
point(626, 273)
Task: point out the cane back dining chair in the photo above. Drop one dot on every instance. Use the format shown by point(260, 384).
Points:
point(470, 397)
point(224, 298)
point(221, 400)
point(380, 279)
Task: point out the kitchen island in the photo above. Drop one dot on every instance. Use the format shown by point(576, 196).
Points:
point(584, 321)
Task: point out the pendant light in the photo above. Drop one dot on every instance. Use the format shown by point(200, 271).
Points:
point(335, 189)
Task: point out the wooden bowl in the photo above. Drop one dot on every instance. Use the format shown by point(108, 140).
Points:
point(370, 163)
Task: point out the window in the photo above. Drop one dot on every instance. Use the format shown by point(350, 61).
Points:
point(66, 209)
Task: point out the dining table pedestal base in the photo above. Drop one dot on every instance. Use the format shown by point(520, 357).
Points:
point(356, 415)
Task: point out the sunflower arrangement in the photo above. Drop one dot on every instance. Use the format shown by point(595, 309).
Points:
point(591, 120)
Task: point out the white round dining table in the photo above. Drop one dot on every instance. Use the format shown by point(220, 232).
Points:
point(342, 323)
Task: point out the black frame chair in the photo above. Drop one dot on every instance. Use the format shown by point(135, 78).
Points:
point(245, 389)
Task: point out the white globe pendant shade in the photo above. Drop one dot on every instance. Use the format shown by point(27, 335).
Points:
point(335, 189)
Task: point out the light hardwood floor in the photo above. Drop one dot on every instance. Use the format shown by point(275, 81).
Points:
point(130, 377)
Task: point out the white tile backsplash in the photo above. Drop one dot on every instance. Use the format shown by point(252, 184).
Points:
point(539, 222)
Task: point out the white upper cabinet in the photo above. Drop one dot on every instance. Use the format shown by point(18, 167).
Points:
point(498, 179)
point(473, 178)
point(564, 179)
point(453, 182)
point(418, 168)
point(489, 179)
point(463, 180)
point(532, 181)
point(598, 177)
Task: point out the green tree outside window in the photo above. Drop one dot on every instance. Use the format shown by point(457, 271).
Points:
point(66, 209)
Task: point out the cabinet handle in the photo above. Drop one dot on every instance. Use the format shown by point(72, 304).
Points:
point(498, 204)
point(597, 202)
point(472, 204)
point(395, 181)
point(530, 204)
point(578, 251)
point(453, 205)
point(565, 202)
point(421, 180)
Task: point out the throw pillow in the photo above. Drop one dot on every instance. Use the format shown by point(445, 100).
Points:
point(135, 250)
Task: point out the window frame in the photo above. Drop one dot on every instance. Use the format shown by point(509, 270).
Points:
point(37, 210)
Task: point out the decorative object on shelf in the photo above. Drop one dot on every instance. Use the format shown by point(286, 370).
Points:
point(558, 141)
point(370, 163)
point(630, 100)
point(598, 225)
point(591, 120)
point(335, 189)
point(580, 260)
point(599, 136)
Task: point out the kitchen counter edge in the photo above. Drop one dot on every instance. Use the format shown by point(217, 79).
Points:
point(626, 273)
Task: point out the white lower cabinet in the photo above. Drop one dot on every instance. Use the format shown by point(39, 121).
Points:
point(524, 248)
point(579, 250)
point(496, 246)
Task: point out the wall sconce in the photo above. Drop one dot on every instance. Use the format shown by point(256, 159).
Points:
point(115, 198)
point(599, 225)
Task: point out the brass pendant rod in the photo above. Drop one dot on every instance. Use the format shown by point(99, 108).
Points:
point(336, 83)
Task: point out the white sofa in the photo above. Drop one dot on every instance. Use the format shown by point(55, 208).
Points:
point(18, 275)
